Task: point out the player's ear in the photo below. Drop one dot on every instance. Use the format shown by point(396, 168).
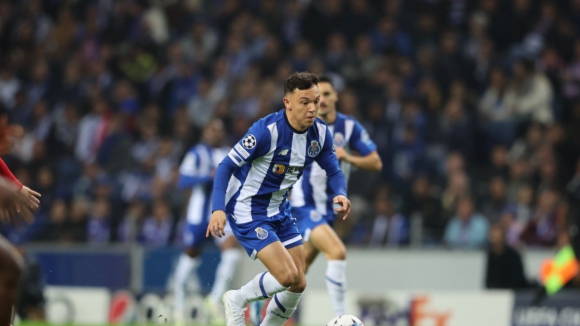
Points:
point(286, 102)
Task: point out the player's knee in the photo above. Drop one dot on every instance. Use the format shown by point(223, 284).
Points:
point(288, 277)
point(338, 253)
point(300, 285)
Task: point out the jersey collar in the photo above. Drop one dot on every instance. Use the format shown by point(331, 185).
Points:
point(290, 126)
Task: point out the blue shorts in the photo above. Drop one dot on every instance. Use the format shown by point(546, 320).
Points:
point(194, 234)
point(256, 235)
point(307, 219)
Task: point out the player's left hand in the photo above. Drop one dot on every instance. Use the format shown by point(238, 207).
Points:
point(216, 225)
point(344, 205)
point(341, 154)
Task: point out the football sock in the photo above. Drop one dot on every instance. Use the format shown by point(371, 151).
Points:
point(262, 286)
point(224, 273)
point(183, 270)
point(280, 308)
point(336, 285)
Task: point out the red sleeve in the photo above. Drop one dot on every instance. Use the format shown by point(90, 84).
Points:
point(5, 172)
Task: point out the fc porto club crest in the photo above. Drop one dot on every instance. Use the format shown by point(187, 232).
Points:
point(314, 216)
point(261, 233)
point(314, 148)
point(339, 139)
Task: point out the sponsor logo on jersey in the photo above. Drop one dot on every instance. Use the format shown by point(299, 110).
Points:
point(283, 152)
point(314, 148)
point(244, 153)
point(249, 141)
point(339, 139)
point(281, 169)
point(261, 233)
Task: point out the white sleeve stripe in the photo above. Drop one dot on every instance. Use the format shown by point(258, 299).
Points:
point(236, 158)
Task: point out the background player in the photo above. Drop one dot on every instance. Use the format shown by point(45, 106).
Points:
point(196, 172)
point(16, 201)
point(311, 198)
point(251, 187)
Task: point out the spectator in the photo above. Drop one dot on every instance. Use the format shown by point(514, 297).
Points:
point(390, 228)
point(541, 229)
point(98, 227)
point(423, 204)
point(530, 94)
point(504, 268)
point(157, 228)
point(467, 229)
point(496, 202)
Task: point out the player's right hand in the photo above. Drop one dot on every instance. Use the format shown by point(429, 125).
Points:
point(217, 223)
point(14, 204)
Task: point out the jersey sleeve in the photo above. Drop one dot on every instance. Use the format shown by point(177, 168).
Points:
point(191, 171)
point(255, 144)
point(360, 141)
point(329, 162)
point(5, 172)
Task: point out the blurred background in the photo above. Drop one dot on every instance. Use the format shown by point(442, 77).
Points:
point(474, 106)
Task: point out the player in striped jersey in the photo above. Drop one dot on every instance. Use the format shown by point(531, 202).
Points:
point(196, 173)
point(311, 197)
point(251, 193)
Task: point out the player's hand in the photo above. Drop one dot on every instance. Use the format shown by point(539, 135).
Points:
point(341, 154)
point(344, 205)
point(14, 204)
point(31, 196)
point(217, 223)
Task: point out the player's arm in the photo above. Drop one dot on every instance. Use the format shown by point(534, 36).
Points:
point(31, 195)
point(191, 173)
point(336, 180)
point(360, 141)
point(255, 144)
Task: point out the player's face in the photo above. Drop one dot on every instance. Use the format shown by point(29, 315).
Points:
point(302, 107)
point(213, 133)
point(328, 98)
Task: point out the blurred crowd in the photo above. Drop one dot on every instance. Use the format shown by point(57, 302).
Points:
point(474, 106)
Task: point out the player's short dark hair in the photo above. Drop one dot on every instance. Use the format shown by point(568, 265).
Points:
point(301, 81)
point(325, 79)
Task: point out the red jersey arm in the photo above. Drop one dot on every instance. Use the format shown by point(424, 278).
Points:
point(5, 172)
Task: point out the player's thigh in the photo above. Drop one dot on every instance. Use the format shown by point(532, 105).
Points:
point(310, 254)
point(327, 241)
point(298, 256)
point(279, 263)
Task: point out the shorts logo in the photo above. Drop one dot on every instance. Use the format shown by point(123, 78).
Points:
point(249, 141)
point(314, 148)
point(315, 216)
point(339, 139)
point(279, 168)
point(283, 152)
point(261, 233)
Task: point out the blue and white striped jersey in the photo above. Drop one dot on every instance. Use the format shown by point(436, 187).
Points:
point(259, 171)
point(312, 189)
point(195, 172)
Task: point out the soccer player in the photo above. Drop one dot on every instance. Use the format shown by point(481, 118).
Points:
point(311, 197)
point(15, 201)
point(196, 172)
point(251, 193)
